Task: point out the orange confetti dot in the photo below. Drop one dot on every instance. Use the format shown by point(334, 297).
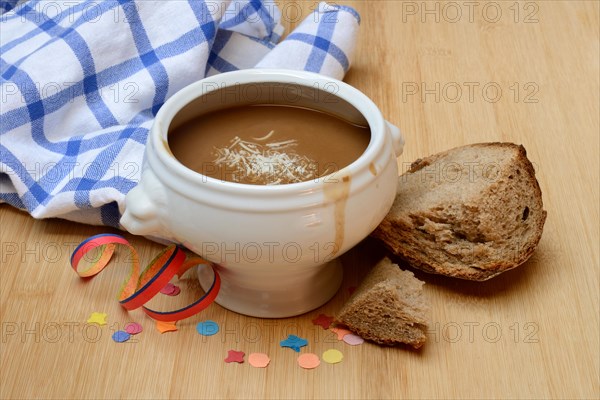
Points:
point(309, 361)
point(259, 360)
point(165, 326)
point(340, 332)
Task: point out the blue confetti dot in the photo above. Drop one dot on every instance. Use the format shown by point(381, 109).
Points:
point(207, 328)
point(121, 336)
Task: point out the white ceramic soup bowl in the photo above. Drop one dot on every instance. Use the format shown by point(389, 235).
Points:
point(275, 246)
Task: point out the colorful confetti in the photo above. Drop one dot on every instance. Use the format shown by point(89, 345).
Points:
point(353, 340)
point(294, 342)
point(340, 332)
point(207, 328)
point(309, 361)
point(332, 356)
point(168, 289)
point(175, 291)
point(163, 326)
point(120, 336)
point(97, 318)
point(235, 356)
point(133, 328)
point(259, 360)
point(323, 321)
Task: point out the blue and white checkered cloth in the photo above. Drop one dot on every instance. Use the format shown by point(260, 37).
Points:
point(81, 82)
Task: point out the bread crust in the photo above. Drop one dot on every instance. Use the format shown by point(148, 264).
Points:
point(467, 229)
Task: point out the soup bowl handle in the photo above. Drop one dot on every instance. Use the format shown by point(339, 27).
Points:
point(143, 205)
point(397, 138)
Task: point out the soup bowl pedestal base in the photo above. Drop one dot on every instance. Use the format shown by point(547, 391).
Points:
point(249, 290)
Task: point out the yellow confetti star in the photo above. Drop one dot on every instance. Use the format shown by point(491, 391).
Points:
point(97, 318)
point(165, 326)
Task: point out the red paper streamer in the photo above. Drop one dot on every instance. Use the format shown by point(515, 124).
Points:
point(140, 287)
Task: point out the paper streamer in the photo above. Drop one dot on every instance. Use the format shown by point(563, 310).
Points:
point(139, 287)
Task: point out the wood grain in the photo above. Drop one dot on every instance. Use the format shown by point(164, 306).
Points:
point(529, 333)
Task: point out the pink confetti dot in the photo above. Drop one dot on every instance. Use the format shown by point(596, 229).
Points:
point(168, 289)
point(353, 340)
point(133, 328)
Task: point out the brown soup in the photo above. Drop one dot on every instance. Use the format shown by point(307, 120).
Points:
point(267, 144)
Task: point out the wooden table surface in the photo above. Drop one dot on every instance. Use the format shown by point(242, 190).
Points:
point(448, 74)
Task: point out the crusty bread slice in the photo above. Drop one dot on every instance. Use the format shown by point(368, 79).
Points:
point(388, 307)
point(471, 212)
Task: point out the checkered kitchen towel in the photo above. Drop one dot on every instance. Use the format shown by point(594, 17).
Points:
point(82, 80)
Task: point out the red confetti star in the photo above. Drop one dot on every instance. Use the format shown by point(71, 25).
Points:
point(323, 320)
point(235, 356)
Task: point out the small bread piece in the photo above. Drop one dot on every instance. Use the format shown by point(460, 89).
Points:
point(471, 212)
point(388, 307)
